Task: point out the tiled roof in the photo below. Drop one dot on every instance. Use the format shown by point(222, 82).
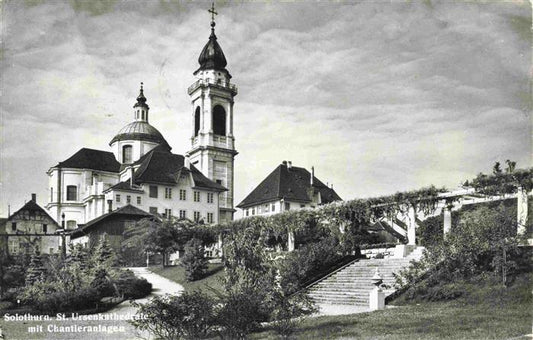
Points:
point(31, 206)
point(160, 166)
point(292, 183)
point(125, 186)
point(91, 159)
point(128, 210)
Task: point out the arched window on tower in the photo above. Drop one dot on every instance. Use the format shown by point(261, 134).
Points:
point(219, 120)
point(127, 154)
point(196, 121)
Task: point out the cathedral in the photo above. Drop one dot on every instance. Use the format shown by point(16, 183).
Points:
point(140, 170)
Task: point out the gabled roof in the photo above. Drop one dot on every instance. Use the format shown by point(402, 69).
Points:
point(161, 166)
point(32, 207)
point(292, 183)
point(126, 186)
point(127, 210)
point(91, 159)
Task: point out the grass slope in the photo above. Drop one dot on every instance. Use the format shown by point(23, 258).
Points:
point(485, 312)
point(177, 274)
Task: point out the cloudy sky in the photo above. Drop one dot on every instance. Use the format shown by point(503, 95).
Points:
point(378, 96)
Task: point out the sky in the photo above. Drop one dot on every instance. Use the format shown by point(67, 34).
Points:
point(379, 97)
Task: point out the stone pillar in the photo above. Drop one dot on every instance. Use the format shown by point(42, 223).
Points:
point(521, 210)
point(447, 218)
point(411, 228)
point(290, 243)
point(377, 299)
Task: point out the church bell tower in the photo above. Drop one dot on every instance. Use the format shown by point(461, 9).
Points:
point(212, 141)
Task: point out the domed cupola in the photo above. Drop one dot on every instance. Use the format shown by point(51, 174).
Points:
point(138, 137)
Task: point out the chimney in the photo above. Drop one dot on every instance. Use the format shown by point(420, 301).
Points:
point(284, 163)
point(34, 197)
point(187, 162)
point(289, 165)
point(132, 171)
point(312, 175)
point(109, 206)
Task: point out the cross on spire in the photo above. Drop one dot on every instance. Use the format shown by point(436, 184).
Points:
point(213, 13)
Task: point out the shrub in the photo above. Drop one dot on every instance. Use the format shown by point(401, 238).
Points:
point(303, 263)
point(187, 316)
point(102, 284)
point(288, 311)
point(194, 260)
point(130, 286)
point(67, 301)
point(483, 242)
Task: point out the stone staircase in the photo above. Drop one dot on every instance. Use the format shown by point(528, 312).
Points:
point(351, 285)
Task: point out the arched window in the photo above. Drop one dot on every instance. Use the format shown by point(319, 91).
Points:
point(196, 121)
point(72, 193)
point(219, 120)
point(127, 154)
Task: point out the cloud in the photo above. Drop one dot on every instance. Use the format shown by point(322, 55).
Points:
point(379, 97)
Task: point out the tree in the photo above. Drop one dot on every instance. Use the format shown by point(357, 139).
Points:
point(36, 270)
point(194, 260)
point(166, 236)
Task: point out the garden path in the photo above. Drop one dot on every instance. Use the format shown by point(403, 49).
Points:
point(18, 330)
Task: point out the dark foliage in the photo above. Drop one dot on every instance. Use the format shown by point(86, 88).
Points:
point(187, 316)
point(67, 301)
point(194, 260)
point(131, 287)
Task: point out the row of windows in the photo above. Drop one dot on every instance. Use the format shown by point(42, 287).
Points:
point(16, 246)
point(183, 214)
point(261, 209)
point(153, 192)
point(128, 199)
point(39, 228)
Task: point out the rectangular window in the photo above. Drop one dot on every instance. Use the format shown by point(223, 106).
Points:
point(128, 199)
point(287, 206)
point(168, 213)
point(302, 205)
point(210, 197)
point(51, 194)
point(51, 250)
point(183, 195)
point(13, 245)
point(197, 196)
point(72, 193)
point(273, 207)
point(253, 211)
point(152, 210)
point(247, 212)
point(168, 192)
point(219, 181)
point(117, 198)
point(138, 200)
point(266, 208)
point(45, 228)
point(196, 216)
point(153, 191)
point(209, 217)
point(183, 214)
point(13, 226)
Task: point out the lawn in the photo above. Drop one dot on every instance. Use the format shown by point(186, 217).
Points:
point(486, 311)
point(177, 274)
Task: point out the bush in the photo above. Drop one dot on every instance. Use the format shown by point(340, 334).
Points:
point(102, 284)
point(67, 301)
point(482, 243)
point(130, 286)
point(307, 261)
point(187, 316)
point(194, 260)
